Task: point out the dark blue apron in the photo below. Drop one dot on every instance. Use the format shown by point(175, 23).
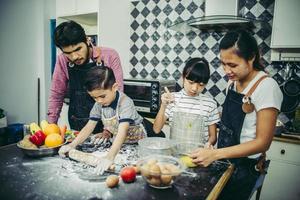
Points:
point(81, 102)
point(244, 176)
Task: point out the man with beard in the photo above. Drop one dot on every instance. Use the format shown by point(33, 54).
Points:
point(77, 58)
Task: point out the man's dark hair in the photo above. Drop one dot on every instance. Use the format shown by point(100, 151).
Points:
point(245, 45)
point(69, 33)
point(99, 78)
point(197, 70)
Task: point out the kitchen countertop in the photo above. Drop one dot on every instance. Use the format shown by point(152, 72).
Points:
point(23, 177)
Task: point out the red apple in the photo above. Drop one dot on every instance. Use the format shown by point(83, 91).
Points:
point(128, 174)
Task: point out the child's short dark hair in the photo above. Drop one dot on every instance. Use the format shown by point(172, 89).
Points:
point(99, 78)
point(69, 33)
point(197, 70)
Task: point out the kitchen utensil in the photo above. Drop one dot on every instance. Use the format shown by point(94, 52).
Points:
point(291, 86)
point(185, 148)
point(41, 151)
point(289, 103)
point(160, 171)
point(155, 145)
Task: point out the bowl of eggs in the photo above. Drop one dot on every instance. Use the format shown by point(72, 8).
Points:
point(160, 171)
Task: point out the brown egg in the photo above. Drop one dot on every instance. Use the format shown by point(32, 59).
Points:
point(154, 181)
point(152, 161)
point(174, 170)
point(112, 181)
point(145, 170)
point(155, 170)
point(165, 177)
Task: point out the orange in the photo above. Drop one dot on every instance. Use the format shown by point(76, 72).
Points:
point(52, 128)
point(53, 140)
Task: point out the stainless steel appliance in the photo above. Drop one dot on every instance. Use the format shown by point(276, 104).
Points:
point(146, 94)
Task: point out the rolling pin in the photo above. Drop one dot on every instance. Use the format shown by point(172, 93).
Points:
point(83, 157)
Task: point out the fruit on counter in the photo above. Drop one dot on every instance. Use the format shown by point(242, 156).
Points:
point(51, 129)
point(44, 124)
point(187, 161)
point(63, 130)
point(112, 181)
point(25, 143)
point(128, 174)
point(33, 127)
point(53, 140)
point(38, 138)
point(70, 135)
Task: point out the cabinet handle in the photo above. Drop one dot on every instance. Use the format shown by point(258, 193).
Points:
point(282, 151)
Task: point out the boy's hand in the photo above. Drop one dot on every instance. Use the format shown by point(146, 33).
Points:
point(167, 97)
point(64, 150)
point(101, 137)
point(103, 165)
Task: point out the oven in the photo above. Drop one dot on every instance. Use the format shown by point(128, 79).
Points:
point(146, 94)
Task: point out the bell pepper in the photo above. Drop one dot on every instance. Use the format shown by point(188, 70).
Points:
point(34, 127)
point(38, 138)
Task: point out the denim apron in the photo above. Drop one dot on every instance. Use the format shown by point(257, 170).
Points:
point(135, 132)
point(244, 176)
point(81, 102)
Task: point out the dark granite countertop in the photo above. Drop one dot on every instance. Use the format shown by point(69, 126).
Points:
point(52, 177)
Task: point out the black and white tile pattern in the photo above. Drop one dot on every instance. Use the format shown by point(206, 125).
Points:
point(160, 53)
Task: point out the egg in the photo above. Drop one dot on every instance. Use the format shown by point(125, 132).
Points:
point(173, 169)
point(155, 170)
point(145, 170)
point(152, 161)
point(112, 181)
point(165, 177)
point(154, 181)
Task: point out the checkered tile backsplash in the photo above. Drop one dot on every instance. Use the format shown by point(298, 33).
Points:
point(160, 53)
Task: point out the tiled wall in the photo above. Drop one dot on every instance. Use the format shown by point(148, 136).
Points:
point(158, 52)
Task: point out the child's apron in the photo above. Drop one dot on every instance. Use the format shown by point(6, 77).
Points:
point(187, 127)
point(135, 132)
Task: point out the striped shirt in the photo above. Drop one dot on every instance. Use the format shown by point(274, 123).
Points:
point(202, 105)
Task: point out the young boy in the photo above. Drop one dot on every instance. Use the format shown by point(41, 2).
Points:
point(115, 110)
point(191, 103)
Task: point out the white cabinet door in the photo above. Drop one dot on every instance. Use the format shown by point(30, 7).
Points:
point(65, 7)
point(286, 24)
point(281, 182)
point(84, 6)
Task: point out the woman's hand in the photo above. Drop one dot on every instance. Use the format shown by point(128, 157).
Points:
point(203, 156)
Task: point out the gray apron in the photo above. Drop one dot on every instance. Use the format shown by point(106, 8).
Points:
point(187, 127)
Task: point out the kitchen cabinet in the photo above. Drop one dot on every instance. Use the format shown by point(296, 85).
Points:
point(286, 24)
point(285, 40)
point(83, 12)
point(76, 7)
point(282, 180)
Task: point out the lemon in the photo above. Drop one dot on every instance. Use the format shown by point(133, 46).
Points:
point(53, 140)
point(187, 161)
